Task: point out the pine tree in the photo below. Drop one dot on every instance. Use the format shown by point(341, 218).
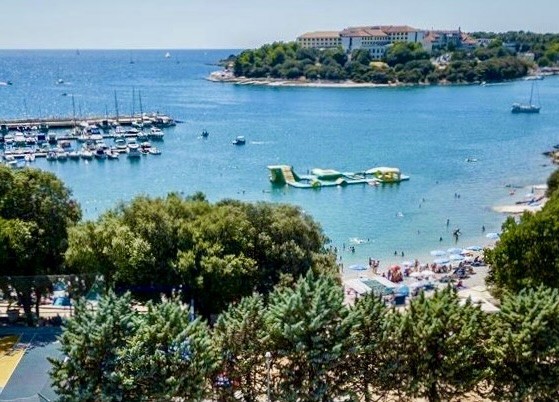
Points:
point(308, 335)
point(169, 356)
point(436, 348)
point(91, 341)
point(368, 320)
point(240, 335)
point(525, 347)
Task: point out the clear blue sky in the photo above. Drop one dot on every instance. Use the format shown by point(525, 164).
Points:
point(82, 24)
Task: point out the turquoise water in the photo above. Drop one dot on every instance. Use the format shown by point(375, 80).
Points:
point(428, 132)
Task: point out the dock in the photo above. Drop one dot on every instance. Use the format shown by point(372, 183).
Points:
point(70, 122)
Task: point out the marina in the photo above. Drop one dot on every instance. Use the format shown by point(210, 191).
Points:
point(24, 140)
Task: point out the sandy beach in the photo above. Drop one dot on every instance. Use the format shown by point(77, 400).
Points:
point(526, 199)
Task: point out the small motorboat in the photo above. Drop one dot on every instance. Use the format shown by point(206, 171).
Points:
point(154, 151)
point(240, 140)
point(156, 133)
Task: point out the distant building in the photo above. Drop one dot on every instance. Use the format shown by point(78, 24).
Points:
point(372, 39)
point(441, 39)
point(527, 56)
point(320, 39)
point(376, 39)
point(483, 42)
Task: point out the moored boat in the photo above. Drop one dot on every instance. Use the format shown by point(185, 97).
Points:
point(155, 133)
point(133, 150)
point(240, 140)
point(86, 154)
point(526, 107)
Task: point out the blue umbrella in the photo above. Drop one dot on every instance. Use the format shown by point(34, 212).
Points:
point(454, 250)
point(474, 248)
point(402, 291)
point(441, 260)
point(456, 257)
point(438, 253)
point(358, 267)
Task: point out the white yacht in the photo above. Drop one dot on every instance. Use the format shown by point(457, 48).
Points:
point(156, 133)
point(134, 150)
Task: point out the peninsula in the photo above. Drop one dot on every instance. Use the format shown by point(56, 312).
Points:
point(394, 56)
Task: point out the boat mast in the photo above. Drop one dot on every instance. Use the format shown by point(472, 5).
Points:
point(133, 102)
point(140, 99)
point(116, 107)
point(74, 110)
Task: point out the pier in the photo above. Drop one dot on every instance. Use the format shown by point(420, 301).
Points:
point(157, 119)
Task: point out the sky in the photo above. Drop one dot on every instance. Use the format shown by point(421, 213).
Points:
point(239, 24)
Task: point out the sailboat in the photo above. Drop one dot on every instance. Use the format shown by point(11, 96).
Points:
point(167, 55)
point(527, 107)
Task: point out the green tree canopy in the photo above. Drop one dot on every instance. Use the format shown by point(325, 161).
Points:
point(240, 333)
point(214, 253)
point(168, 356)
point(309, 333)
point(436, 348)
point(36, 210)
point(525, 347)
point(113, 353)
point(403, 52)
point(91, 342)
point(553, 183)
point(368, 319)
point(527, 253)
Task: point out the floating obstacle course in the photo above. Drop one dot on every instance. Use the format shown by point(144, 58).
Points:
point(284, 174)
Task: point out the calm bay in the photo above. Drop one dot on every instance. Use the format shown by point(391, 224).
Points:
point(428, 132)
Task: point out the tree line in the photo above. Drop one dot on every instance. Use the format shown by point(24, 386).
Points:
point(403, 62)
point(214, 253)
point(302, 343)
point(545, 47)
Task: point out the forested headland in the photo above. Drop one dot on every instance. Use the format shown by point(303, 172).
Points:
point(403, 63)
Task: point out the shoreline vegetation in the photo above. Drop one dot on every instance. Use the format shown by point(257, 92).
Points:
point(226, 77)
point(501, 58)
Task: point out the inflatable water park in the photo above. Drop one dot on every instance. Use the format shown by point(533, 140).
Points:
point(284, 174)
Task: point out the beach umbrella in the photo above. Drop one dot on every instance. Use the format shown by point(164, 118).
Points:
point(402, 291)
point(454, 250)
point(416, 274)
point(427, 273)
point(408, 263)
point(474, 248)
point(442, 260)
point(358, 267)
point(456, 257)
point(492, 236)
point(438, 253)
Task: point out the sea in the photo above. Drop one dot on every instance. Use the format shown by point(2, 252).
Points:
point(463, 149)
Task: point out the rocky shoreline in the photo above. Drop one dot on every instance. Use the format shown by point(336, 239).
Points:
point(227, 76)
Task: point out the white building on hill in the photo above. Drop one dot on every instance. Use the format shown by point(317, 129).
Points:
point(320, 39)
point(374, 38)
